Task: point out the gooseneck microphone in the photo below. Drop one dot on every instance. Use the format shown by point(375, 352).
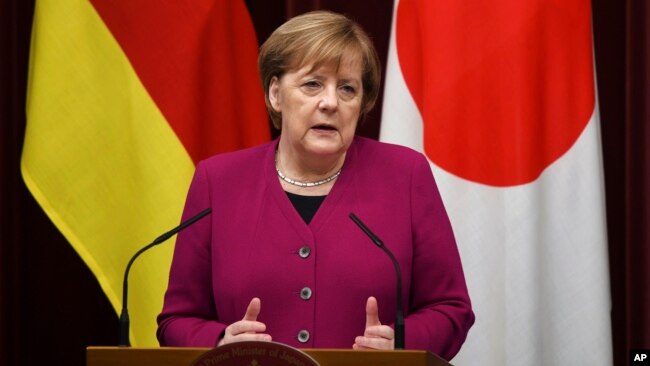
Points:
point(124, 316)
point(399, 318)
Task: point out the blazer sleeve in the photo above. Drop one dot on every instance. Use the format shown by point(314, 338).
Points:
point(188, 318)
point(440, 312)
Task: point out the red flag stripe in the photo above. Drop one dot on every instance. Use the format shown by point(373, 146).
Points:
point(197, 60)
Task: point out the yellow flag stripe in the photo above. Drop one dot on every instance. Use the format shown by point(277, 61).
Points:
point(100, 158)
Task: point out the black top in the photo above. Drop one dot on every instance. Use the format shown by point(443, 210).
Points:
point(306, 205)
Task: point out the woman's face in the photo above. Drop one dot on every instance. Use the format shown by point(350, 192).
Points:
point(320, 108)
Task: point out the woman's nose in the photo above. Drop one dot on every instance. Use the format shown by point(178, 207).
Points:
point(329, 100)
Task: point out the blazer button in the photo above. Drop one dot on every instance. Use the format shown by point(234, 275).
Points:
point(303, 336)
point(304, 252)
point(305, 293)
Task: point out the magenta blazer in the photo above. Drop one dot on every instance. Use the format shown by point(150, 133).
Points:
point(313, 280)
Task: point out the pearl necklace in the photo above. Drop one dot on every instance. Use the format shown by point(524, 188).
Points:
point(305, 184)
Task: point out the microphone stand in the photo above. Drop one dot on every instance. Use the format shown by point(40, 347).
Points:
point(124, 315)
point(399, 318)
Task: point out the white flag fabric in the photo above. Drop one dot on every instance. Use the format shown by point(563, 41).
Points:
point(501, 99)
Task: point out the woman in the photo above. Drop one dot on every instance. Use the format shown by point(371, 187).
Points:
point(279, 259)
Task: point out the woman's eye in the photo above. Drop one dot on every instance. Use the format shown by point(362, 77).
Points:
point(348, 89)
point(312, 84)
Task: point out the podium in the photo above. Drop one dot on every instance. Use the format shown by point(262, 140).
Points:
point(174, 356)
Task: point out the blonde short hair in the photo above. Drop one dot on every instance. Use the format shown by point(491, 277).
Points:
point(321, 38)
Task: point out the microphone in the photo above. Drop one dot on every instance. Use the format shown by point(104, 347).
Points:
point(124, 316)
point(399, 318)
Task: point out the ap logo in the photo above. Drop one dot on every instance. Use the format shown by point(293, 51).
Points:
point(639, 357)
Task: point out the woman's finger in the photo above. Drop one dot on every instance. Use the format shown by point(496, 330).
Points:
point(252, 337)
point(374, 343)
point(382, 331)
point(247, 329)
point(253, 309)
point(246, 326)
point(372, 312)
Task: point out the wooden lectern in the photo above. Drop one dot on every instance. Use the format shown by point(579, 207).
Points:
point(172, 356)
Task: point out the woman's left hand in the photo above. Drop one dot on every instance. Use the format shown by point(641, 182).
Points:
point(376, 335)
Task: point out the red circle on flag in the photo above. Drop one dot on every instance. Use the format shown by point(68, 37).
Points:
point(504, 89)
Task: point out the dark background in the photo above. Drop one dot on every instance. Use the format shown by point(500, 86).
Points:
point(51, 306)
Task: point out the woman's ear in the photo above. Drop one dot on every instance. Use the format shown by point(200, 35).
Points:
point(274, 94)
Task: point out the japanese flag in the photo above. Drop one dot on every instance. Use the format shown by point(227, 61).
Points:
point(500, 97)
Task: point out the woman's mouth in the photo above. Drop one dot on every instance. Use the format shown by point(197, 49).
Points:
point(324, 128)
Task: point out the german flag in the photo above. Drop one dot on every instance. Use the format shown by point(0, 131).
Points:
point(124, 99)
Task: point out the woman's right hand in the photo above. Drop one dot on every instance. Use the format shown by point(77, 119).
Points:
point(247, 329)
